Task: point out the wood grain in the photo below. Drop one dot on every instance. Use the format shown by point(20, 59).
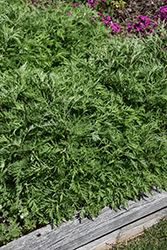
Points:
point(125, 233)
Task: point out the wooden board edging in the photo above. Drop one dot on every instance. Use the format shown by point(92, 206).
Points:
point(109, 227)
point(125, 233)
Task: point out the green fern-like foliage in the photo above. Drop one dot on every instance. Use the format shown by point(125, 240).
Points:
point(83, 117)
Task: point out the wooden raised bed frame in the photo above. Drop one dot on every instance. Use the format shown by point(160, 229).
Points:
point(97, 234)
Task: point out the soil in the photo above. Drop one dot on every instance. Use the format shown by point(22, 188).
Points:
point(130, 12)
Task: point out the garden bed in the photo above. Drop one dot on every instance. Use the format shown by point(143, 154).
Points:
point(83, 116)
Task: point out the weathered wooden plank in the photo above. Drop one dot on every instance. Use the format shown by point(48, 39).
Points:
point(74, 235)
point(125, 233)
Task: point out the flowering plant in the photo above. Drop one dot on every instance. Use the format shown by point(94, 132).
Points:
point(22, 213)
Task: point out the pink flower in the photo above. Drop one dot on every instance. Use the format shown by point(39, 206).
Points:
point(75, 4)
point(152, 30)
point(99, 13)
point(102, 19)
point(143, 17)
point(130, 26)
point(137, 28)
point(108, 18)
point(69, 14)
point(115, 27)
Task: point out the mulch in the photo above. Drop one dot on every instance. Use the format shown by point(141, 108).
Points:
point(133, 9)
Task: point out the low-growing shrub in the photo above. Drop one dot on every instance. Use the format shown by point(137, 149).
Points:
point(45, 38)
point(83, 117)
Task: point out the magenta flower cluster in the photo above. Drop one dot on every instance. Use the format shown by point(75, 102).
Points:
point(145, 25)
point(115, 27)
point(163, 13)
